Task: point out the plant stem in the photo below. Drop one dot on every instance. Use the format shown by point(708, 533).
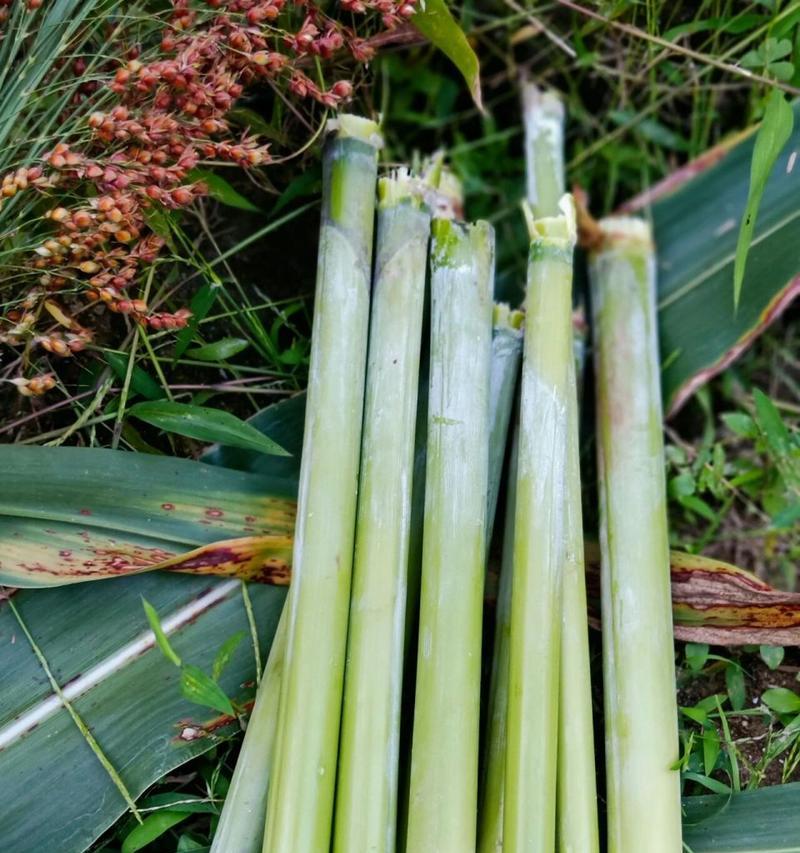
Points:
point(576, 806)
point(444, 758)
point(643, 791)
point(300, 802)
point(366, 802)
point(543, 118)
point(490, 813)
point(576, 793)
point(539, 553)
point(506, 354)
point(241, 825)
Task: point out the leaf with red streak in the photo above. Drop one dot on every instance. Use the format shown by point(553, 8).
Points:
point(76, 514)
point(716, 602)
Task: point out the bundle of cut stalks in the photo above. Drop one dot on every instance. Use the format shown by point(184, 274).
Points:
point(322, 766)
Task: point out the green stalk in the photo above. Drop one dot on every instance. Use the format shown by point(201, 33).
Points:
point(490, 813)
point(241, 825)
point(643, 789)
point(300, 801)
point(366, 801)
point(577, 829)
point(543, 118)
point(444, 757)
point(506, 354)
point(576, 810)
point(530, 793)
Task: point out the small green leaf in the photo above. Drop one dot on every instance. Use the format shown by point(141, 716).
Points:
point(682, 485)
point(699, 715)
point(740, 424)
point(201, 689)
point(437, 24)
point(200, 305)
point(698, 505)
point(696, 655)
point(141, 381)
point(221, 190)
point(220, 350)
point(711, 748)
point(224, 654)
point(782, 700)
point(787, 517)
point(771, 424)
point(161, 638)
point(734, 682)
point(707, 782)
point(783, 71)
point(153, 827)
point(775, 130)
point(205, 424)
point(771, 655)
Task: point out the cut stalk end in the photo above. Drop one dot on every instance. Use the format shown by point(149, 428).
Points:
point(400, 187)
point(349, 126)
point(503, 317)
point(625, 234)
point(559, 232)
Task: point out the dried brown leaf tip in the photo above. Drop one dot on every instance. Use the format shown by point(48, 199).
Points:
point(590, 234)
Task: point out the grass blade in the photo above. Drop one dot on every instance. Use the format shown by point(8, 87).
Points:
point(774, 133)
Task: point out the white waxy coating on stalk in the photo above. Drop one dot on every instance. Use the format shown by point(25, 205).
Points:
point(529, 802)
point(300, 801)
point(366, 803)
point(643, 789)
point(543, 119)
point(444, 759)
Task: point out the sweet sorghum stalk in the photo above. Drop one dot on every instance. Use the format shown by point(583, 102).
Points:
point(170, 111)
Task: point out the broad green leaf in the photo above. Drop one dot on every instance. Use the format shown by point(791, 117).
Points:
point(127, 692)
point(201, 689)
point(221, 190)
point(205, 424)
point(75, 514)
point(98, 643)
point(220, 350)
point(153, 827)
point(161, 638)
point(435, 21)
point(763, 821)
point(695, 214)
point(772, 136)
point(782, 700)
